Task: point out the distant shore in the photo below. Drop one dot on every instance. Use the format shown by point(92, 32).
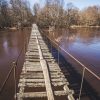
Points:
point(12, 28)
point(76, 26)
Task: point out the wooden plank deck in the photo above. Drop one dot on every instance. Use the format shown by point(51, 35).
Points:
point(40, 70)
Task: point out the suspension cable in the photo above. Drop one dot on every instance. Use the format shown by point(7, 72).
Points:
point(10, 71)
point(6, 79)
point(75, 59)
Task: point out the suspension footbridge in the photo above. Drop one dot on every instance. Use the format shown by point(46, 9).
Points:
point(41, 76)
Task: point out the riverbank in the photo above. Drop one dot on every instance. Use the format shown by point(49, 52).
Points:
point(13, 29)
point(76, 26)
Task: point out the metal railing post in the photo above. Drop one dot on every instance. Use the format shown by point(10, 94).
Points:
point(6, 79)
point(82, 83)
point(51, 47)
point(58, 54)
point(14, 64)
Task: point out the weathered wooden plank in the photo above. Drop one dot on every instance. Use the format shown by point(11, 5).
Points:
point(32, 77)
point(32, 85)
point(69, 92)
point(32, 60)
point(59, 83)
point(32, 63)
point(42, 80)
point(40, 94)
point(31, 73)
point(46, 73)
point(41, 84)
point(39, 69)
point(32, 80)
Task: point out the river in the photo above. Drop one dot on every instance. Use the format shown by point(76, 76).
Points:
point(11, 44)
point(83, 44)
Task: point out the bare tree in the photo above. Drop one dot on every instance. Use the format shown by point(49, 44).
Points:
point(91, 16)
point(51, 13)
point(71, 15)
point(4, 14)
point(21, 11)
point(36, 9)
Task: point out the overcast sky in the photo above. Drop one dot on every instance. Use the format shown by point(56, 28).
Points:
point(78, 3)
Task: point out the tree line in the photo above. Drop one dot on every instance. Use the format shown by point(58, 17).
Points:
point(54, 13)
point(14, 12)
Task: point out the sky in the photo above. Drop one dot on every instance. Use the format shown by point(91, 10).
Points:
point(81, 4)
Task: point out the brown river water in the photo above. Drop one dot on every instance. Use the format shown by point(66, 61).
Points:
point(11, 44)
point(83, 44)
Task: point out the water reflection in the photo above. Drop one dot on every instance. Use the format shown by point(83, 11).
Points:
point(82, 43)
point(11, 43)
point(5, 46)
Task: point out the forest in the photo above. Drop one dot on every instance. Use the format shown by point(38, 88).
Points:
point(53, 13)
point(14, 12)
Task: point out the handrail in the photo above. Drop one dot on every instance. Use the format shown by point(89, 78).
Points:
point(13, 68)
point(75, 59)
point(8, 75)
point(10, 71)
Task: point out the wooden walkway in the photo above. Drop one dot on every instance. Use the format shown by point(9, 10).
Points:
point(41, 77)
